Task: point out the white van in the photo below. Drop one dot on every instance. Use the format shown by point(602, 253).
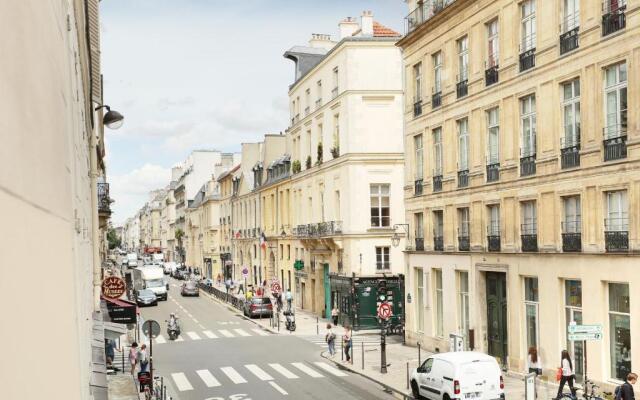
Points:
point(151, 278)
point(132, 260)
point(464, 375)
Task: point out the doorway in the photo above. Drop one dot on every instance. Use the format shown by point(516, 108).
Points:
point(497, 315)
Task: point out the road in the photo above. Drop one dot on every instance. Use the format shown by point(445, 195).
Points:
point(223, 356)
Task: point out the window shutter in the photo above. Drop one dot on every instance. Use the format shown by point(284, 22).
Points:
point(93, 25)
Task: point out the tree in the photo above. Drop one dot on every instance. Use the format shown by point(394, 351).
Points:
point(113, 239)
point(179, 236)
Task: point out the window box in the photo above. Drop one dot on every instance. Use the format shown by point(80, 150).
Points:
point(528, 165)
point(491, 75)
point(569, 41)
point(493, 172)
point(614, 17)
point(463, 178)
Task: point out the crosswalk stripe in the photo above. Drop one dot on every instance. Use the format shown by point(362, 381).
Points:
point(260, 332)
point(241, 332)
point(193, 335)
point(207, 378)
point(283, 371)
point(330, 369)
point(181, 381)
point(259, 372)
point(179, 339)
point(233, 375)
point(160, 339)
point(278, 388)
point(210, 334)
point(312, 373)
point(226, 333)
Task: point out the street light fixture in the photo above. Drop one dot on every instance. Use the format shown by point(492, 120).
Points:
point(112, 119)
point(395, 239)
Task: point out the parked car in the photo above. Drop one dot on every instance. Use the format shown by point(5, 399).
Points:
point(169, 267)
point(258, 306)
point(190, 288)
point(467, 375)
point(146, 297)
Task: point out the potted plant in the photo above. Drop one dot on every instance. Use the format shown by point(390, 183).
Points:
point(296, 167)
point(308, 163)
point(319, 154)
point(335, 152)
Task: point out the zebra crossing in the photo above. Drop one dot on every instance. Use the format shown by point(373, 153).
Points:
point(213, 334)
point(369, 342)
point(249, 373)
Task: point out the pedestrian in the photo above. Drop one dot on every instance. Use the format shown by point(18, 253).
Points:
point(249, 295)
point(241, 288)
point(334, 315)
point(110, 348)
point(279, 300)
point(567, 374)
point(330, 338)
point(534, 365)
point(346, 338)
point(143, 358)
point(133, 357)
point(227, 284)
point(259, 291)
point(289, 298)
point(625, 391)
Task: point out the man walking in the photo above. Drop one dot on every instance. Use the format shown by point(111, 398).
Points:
point(289, 298)
point(143, 358)
point(347, 343)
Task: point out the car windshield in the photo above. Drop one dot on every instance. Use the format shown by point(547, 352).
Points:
point(260, 300)
point(146, 293)
point(191, 285)
point(155, 283)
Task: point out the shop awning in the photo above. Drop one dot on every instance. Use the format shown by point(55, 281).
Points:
point(121, 311)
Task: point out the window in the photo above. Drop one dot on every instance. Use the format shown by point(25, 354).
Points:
point(463, 222)
point(493, 136)
point(438, 223)
point(528, 125)
point(419, 223)
point(437, 151)
point(337, 204)
point(463, 144)
point(463, 59)
point(307, 100)
point(318, 93)
point(334, 92)
point(417, 82)
point(417, 144)
point(573, 313)
point(382, 258)
point(616, 101)
point(529, 218)
point(571, 15)
point(531, 311)
point(528, 25)
point(380, 216)
point(419, 298)
point(288, 252)
point(617, 214)
point(437, 278)
point(492, 44)
point(463, 304)
point(494, 220)
point(282, 252)
point(571, 111)
point(572, 214)
point(437, 72)
point(619, 330)
point(336, 131)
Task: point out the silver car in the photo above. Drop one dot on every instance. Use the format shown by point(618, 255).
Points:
point(146, 297)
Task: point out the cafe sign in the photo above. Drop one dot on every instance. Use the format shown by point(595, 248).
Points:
point(113, 287)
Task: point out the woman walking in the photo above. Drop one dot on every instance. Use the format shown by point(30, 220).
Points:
point(334, 315)
point(534, 365)
point(347, 343)
point(133, 357)
point(330, 338)
point(567, 374)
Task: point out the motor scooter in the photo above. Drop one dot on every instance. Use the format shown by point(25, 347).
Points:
point(173, 329)
point(290, 320)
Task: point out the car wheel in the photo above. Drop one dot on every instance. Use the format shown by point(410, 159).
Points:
point(446, 397)
point(414, 390)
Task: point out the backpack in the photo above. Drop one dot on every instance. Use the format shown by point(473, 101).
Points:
point(618, 392)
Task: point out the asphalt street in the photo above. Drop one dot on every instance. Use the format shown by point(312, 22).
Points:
point(221, 355)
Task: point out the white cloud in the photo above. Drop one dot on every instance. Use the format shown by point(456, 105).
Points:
point(130, 191)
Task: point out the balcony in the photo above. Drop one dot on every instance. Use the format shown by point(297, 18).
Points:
point(104, 201)
point(572, 236)
point(334, 93)
point(417, 108)
point(615, 146)
point(424, 12)
point(613, 17)
point(569, 40)
point(436, 99)
point(462, 88)
point(463, 178)
point(528, 165)
point(418, 186)
point(493, 241)
point(529, 242)
point(493, 172)
point(463, 243)
point(318, 230)
point(616, 234)
point(527, 58)
point(419, 244)
point(438, 243)
point(491, 75)
point(569, 153)
point(437, 183)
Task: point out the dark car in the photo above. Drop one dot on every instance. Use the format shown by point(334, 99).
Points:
point(180, 273)
point(190, 288)
point(258, 306)
point(146, 297)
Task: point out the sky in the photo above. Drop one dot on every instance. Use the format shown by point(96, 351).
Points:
point(203, 74)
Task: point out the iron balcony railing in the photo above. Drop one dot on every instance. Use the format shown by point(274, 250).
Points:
point(616, 234)
point(463, 178)
point(571, 236)
point(528, 165)
point(613, 16)
point(569, 29)
point(104, 201)
point(424, 12)
point(570, 151)
point(320, 229)
point(417, 108)
point(437, 183)
point(491, 75)
point(419, 244)
point(462, 88)
point(436, 99)
point(493, 172)
point(463, 241)
point(438, 242)
point(528, 53)
point(615, 144)
point(493, 238)
point(418, 186)
point(529, 236)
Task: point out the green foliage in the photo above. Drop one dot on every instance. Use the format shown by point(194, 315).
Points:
point(296, 167)
point(319, 154)
point(308, 162)
point(113, 239)
point(335, 152)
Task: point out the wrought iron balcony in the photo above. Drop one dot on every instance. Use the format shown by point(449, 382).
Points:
point(493, 172)
point(527, 59)
point(463, 178)
point(528, 165)
point(104, 201)
point(613, 17)
point(437, 183)
point(424, 12)
point(616, 234)
point(529, 242)
point(569, 40)
point(321, 229)
point(418, 187)
point(571, 236)
point(463, 243)
point(417, 108)
point(615, 148)
point(419, 244)
point(491, 75)
point(570, 152)
point(462, 88)
point(438, 243)
point(493, 242)
point(436, 99)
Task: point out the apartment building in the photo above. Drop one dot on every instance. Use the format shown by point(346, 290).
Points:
point(226, 182)
point(522, 178)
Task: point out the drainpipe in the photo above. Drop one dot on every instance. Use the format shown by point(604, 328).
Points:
point(95, 223)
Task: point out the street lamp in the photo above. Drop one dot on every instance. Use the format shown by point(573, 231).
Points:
point(395, 239)
point(112, 119)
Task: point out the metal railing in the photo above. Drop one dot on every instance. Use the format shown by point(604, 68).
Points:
point(436, 99)
point(236, 302)
point(527, 59)
point(318, 229)
point(613, 16)
point(615, 144)
point(104, 201)
point(437, 183)
point(491, 75)
point(569, 40)
point(463, 242)
point(528, 165)
point(493, 242)
point(463, 178)
point(438, 242)
point(419, 244)
point(424, 12)
point(493, 172)
point(462, 88)
point(418, 186)
point(571, 236)
point(570, 151)
point(417, 108)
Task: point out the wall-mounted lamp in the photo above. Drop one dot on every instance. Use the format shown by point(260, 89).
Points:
point(112, 119)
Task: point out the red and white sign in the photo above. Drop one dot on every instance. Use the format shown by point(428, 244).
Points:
point(113, 287)
point(384, 311)
point(275, 287)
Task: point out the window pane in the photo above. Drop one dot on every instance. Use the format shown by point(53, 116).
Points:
point(619, 297)
point(573, 294)
point(532, 325)
point(531, 289)
point(620, 338)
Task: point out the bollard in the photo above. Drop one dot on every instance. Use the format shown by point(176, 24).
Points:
point(362, 347)
point(317, 327)
point(407, 374)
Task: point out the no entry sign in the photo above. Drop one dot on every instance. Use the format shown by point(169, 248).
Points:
point(384, 311)
point(113, 287)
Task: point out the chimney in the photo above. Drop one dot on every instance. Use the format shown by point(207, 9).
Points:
point(321, 41)
point(348, 27)
point(366, 23)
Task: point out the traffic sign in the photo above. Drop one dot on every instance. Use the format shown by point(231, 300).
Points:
point(113, 287)
point(275, 287)
point(384, 311)
point(151, 328)
point(579, 336)
point(572, 328)
point(245, 272)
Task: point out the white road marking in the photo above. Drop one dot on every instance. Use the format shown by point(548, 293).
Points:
point(259, 372)
point(260, 332)
point(207, 378)
point(312, 373)
point(195, 320)
point(283, 371)
point(210, 334)
point(193, 335)
point(241, 332)
point(160, 339)
point(233, 375)
point(181, 381)
point(179, 339)
point(330, 369)
point(202, 326)
point(226, 333)
point(278, 388)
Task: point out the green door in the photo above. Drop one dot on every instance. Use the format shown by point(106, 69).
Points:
point(497, 314)
point(327, 291)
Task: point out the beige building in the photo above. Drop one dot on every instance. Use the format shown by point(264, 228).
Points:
point(522, 185)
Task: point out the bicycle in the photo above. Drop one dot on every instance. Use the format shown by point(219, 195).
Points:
point(586, 393)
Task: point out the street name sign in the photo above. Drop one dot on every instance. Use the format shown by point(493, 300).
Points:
point(572, 328)
point(579, 336)
point(113, 287)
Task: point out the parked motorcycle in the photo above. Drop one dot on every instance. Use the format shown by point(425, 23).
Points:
point(173, 328)
point(290, 320)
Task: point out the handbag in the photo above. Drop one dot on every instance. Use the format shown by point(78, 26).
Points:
point(559, 374)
